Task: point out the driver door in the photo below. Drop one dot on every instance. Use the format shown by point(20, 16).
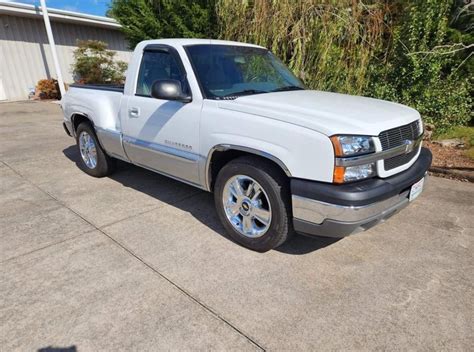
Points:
point(159, 134)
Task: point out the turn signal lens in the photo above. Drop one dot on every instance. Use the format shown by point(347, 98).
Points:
point(339, 172)
point(336, 145)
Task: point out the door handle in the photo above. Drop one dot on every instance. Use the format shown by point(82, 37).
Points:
point(134, 112)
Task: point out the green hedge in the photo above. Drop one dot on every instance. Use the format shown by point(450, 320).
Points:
point(421, 68)
point(416, 52)
point(398, 50)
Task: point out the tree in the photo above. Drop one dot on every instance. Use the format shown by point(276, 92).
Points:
point(93, 63)
point(154, 19)
point(416, 52)
point(421, 67)
point(461, 32)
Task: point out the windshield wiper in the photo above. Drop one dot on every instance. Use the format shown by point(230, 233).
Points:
point(286, 88)
point(244, 92)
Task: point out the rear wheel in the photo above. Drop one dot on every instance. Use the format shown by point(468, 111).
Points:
point(94, 160)
point(252, 201)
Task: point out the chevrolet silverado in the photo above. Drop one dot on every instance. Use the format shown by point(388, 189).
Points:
point(231, 119)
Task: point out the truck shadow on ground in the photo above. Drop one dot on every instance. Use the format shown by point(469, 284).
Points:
point(153, 184)
point(58, 349)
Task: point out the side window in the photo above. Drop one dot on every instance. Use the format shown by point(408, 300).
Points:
point(156, 65)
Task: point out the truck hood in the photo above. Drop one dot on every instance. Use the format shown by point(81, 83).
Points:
point(325, 112)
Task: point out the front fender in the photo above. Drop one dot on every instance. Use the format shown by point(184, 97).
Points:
point(305, 153)
point(302, 153)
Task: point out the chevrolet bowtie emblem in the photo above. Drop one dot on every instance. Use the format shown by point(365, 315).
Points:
point(408, 146)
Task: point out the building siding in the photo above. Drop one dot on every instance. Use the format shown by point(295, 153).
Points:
point(25, 55)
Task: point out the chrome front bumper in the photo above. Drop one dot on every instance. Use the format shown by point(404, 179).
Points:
point(325, 209)
point(316, 212)
point(313, 217)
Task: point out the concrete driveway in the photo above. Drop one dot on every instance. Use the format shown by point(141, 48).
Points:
point(138, 261)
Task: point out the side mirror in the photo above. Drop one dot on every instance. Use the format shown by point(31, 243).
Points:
point(169, 89)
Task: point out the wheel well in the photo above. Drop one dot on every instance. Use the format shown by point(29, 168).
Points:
point(77, 119)
point(220, 158)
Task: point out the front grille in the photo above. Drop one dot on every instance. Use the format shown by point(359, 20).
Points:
point(399, 160)
point(395, 137)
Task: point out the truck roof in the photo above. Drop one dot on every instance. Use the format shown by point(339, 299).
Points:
point(192, 41)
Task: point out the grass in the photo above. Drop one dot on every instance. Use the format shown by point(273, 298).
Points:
point(465, 133)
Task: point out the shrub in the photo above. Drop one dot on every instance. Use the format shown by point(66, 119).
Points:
point(419, 67)
point(327, 43)
point(47, 89)
point(413, 52)
point(94, 64)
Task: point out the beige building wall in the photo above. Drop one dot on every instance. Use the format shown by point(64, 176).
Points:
point(25, 55)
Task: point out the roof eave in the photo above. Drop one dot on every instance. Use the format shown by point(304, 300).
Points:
point(24, 10)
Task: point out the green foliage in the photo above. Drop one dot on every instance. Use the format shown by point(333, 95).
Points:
point(94, 64)
point(461, 31)
point(410, 51)
point(416, 52)
point(420, 67)
point(327, 43)
point(155, 19)
point(463, 132)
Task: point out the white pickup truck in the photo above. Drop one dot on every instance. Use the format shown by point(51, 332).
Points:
point(231, 119)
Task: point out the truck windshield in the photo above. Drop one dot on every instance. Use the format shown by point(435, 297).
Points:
point(227, 71)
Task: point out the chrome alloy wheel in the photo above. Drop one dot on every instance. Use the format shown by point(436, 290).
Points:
point(247, 206)
point(88, 150)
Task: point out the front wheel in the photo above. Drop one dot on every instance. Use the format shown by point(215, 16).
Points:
point(252, 202)
point(94, 160)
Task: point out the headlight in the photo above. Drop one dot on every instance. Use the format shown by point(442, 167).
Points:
point(350, 146)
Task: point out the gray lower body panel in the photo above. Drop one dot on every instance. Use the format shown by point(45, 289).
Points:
point(163, 159)
point(111, 141)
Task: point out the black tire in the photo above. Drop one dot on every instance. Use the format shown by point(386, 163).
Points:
point(276, 187)
point(105, 164)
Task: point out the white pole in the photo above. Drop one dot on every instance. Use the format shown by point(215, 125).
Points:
point(47, 24)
